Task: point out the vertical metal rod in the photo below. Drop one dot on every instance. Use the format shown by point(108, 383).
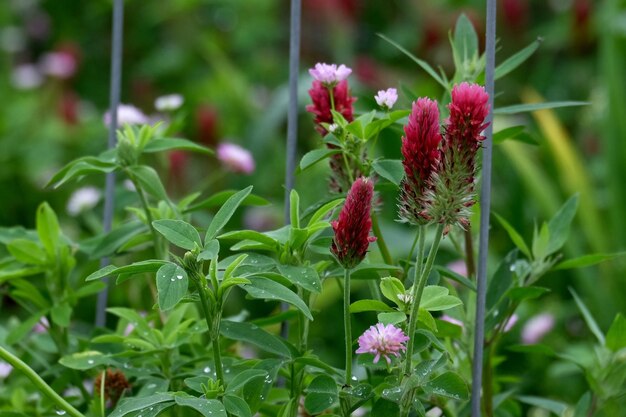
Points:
point(485, 205)
point(292, 118)
point(114, 100)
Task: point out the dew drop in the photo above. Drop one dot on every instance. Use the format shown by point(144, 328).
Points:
point(179, 276)
point(90, 362)
point(61, 412)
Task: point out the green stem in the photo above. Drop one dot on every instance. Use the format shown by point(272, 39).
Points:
point(102, 387)
point(469, 254)
point(18, 364)
point(420, 250)
point(418, 289)
point(488, 384)
point(214, 333)
point(347, 326)
point(382, 245)
point(149, 219)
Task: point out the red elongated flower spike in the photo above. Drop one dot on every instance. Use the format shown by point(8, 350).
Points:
point(454, 183)
point(420, 149)
point(322, 105)
point(353, 227)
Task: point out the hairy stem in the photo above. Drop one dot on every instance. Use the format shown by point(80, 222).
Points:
point(347, 326)
point(382, 245)
point(18, 364)
point(418, 289)
point(469, 253)
point(214, 333)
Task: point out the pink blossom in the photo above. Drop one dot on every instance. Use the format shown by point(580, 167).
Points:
point(452, 320)
point(235, 158)
point(382, 340)
point(42, 326)
point(459, 266)
point(58, 64)
point(329, 75)
point(127, 114)
point(511, 322)
point(26, 77)
point(387, 98)
point(537, 327)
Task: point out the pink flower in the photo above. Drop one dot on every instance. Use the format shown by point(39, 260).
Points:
point(5, 369)
point(459, 266)
point(387, 98)
point(235, 158)
point(127, 114)
point(59, 64)
point(537, 327)
point(511, 322)
point(452, 320)
point(329, 75)
point(353, 227)
point(26, 77)
point(382, 340)
point(420, 149)
point(42, 326)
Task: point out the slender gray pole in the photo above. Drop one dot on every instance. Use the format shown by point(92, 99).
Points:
point(292, 119)
point(114, 100)
point(485, 204)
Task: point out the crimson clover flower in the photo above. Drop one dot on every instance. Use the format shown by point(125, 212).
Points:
point(352, 229)
point(381, 340)
point(420, 149)
point(453, 192)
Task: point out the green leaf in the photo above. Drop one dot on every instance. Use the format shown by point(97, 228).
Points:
point(591, 323)
point(312, 157)
point(555, 407)
point(19, 332)
point(168, 144)
point(436, 298)
point(178, 232)
point(244, 377)
point(448, 385)
point(250, 235)
point(149, 181)
point(616, 336)
point(526, 293)
point(323, 211)
point(465, 42)
point(172, 284)
point(294, 208)
point(391, 287)
point(85, 360)
point(517, 239)
point(128, 270)
point(208, 408)
point(236, 406)
point(267, 289)
point(521, 108)
point(48, 229)
point(448, 273)
point(516, 59)
point(106, 245)
point(369, 305)
point(7, 274)
point(27, 251)
point(210, 251)
point(394, 317)
point(583, 405)
point(81, 166)
point(321, 394)
point(587, 260)
point(61, 314)
point(390, 169)
point(129, 405)
point(253, 334)
point(302, 276)
point(423, 64)
point(560, 224)
point(220, 198)
point(224, 214)
point(501, 281)
point(517, 133)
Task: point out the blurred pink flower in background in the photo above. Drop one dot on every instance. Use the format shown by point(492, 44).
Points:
point(127, 114)
point(537, 327)
point(387, 98)
point(452, 320)
point(41, 326)
point(59, 64)
point(235, 158)
point(382, 340)
point(459, 266)
point(512, 321)
point(329, 74)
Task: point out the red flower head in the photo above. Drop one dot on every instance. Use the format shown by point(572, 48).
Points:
point(454, 188)
point(353, 227)
point(114, 386)
point(321, 103)
point(420, 148)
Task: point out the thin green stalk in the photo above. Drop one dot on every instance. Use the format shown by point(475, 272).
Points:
point(347, 326)
point(420, 250)
point(149, 219)
point(488, 384)
point(102, 386)
point(469, 253)
point(418, 289)
point(18, 364)
point(382, 245)
point(206, 309)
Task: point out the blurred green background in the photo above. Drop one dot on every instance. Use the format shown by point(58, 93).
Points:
point(228, 59)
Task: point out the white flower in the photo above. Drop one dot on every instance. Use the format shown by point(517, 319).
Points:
point(329, 75)
point(406, 298)
point(84, 198)
point(26, 77)
point(333, 127)
point(127, 114)
point(5, 369)
point(387, 98)
point(169, 102)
